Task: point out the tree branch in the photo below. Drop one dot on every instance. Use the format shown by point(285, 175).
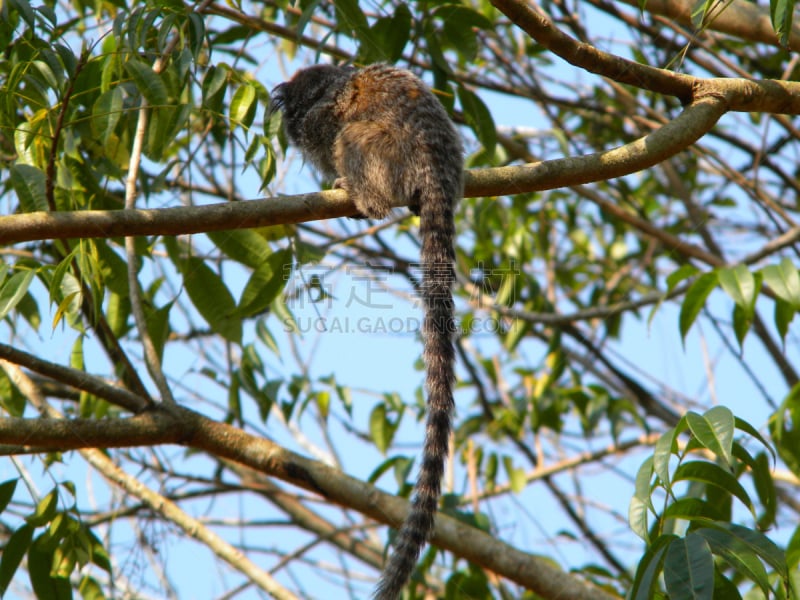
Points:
point(630, 158)
point(177, 425)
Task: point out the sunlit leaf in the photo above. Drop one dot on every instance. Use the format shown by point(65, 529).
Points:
point(784, 280)
point(13, 291)
point(714, 430)
point(243, 105)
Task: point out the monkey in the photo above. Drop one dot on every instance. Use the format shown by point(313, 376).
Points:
point(380, 134)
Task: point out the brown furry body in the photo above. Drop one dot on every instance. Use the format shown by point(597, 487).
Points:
point(384, 136)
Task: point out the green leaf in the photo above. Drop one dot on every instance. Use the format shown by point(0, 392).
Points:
point(29, 184)
point(743, 425)
point(7, 489)
point(516, 475)
point(739, 284)
point(650, 567)
point(158, 326)
point(793, 550)
point(40, 563)
point(11, 557)
point(385, 466)
point(724, 588)
point(242, 245)
point(663, 452)
point(13, 291)
point(714, 430)
point(640, 502)
point(391, 35)
point(742, 320)
point(765, 488)
point(214, 84)
point(684, 272)
point(165, 122)
point(265, 284)
point(478, 118)
point(351, 18)
point(243, 105)
point(759, 544)
point(45, 510)
point(784, 280)
point(458, 28)
point(689, 569)
point(784, 315)
point(781, 12)
point(712, 474)
point(147, 82)
point(98, 553)
point(212, 299)
point(516, 333)
point(90, 589)
point(48, 77)
point(695, 300)
point(690, 509)
point(738, 554)
point(26, 12)
point(638, 511)
point(380, 429)
point(106, 113)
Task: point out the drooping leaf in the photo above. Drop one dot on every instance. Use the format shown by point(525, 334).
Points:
point(478, 117)
point(29, 184)
point(212, 299)
point(782, 12)
point(147, 82)
point(13, 291)
point(45, 510)
point(40, 562)
point(663, 452)
point(649, 569)
point(265, 284)
point(243, 105)
point(689, 569)
point(738, 554)
point(106, 113)
point(380, 429)
point(681, 274)
point(14, 550)
point(388, 37)
point(6, 493)
point(213, 87)
point(242, 245)
point(695, 300)
point(712, 474)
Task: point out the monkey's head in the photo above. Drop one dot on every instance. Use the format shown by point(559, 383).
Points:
point(298, 95)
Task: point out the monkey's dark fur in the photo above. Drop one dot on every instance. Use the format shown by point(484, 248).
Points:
point(383, 135)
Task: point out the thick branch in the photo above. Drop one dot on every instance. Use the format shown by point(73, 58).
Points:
point(589, 58)
point(630, 158)
point(77, 379)
point(741, 95)
point(177, 425)
point(745, 20)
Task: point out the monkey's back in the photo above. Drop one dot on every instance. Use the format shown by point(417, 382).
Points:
point(392, 122)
